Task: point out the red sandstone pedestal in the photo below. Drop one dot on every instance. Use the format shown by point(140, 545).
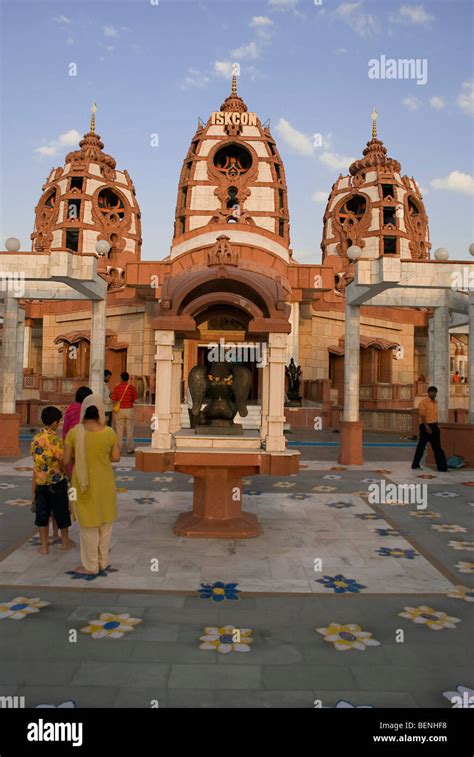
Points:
point(350, 452)
point(10, 434)
point(217, 502)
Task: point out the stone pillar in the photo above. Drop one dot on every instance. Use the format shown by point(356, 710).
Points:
point(470, 364)
point(351, 427)
point(97, 356)
point(265, 398)
point(441, 360)
point(9, 355)
point(176, 379)
point(294, 337)
point(9, 419)
point(431, 352)
point(20, 348)
point(275, 440)
point(27, 344)
point(161, 438)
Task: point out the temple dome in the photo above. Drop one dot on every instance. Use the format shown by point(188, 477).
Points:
point(377, 209)
point(88, 200)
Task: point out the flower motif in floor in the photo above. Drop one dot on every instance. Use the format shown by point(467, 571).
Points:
point(23, 468)
point(434, 619)
point(382, 472)
point(340, 505)
point(370, 481)
point(344, 704)
point(297, 497)
point(253, 492)
point(18, 502)
point(340, 584)
point(445, 528)
point(111, 626)
point(426, 475)
point(218, 591)
point(87, 577)
point(445, 494)
point(347, 637)
point(389, 532)
point(337, 468)
point(283, 485)
point(462, 592)
point(69, 704)
point(361, 493)
point(125, 478)
point(425, 514)
point(368, 516)
point(324, 489)
point(20, 607)
point(465, 567)
point(332, 478)
point(163, 479)
point(8, 486)
point(462, 697)
point(468, 483)
point(226, 639)
point(121, 489)
point(145, 500)
point(465, 546)
point(397, 552)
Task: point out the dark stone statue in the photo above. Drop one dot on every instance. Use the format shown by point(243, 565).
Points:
point(226, 389)
point(293, 373)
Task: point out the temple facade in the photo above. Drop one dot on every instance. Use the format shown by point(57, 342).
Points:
point(232, 214)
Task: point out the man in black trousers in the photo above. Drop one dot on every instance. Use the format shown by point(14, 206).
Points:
point(429, 431)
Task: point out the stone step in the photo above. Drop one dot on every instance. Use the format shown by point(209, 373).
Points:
point(252, 421)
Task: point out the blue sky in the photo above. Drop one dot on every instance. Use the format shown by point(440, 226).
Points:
point(155, 67)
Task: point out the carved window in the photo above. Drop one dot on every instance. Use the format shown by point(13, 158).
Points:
point(72, 239)
point(390, 245)
point(50, 201)
point(278, 171)
point(77, 182)
point(74, 210)
point(280, 199)
point(388, 192)
point(281, 228)
point(389, 216)
point(111, 206)
point(233, 160)
point(413, 208)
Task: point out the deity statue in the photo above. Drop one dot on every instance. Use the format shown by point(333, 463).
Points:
point(227, 388)
point(293, 373)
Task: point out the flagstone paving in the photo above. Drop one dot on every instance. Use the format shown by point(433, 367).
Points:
point(387, 578)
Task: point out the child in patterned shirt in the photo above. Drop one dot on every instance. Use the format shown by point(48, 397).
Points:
point(50, 485)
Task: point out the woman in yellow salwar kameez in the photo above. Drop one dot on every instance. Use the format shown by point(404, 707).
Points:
point(92, 447)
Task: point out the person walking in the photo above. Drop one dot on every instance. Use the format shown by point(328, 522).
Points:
point(124, 396)
point(92, 447)
point(108, 404)
point(73, 412)
point(429, 431)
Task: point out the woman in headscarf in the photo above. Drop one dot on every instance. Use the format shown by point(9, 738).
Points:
point(72, 415)
point(92, 447)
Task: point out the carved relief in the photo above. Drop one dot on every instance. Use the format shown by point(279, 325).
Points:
point(46, 215)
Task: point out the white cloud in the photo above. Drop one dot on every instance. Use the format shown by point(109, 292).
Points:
point(465, 99)
point(320, 197)
point(194, 80)
point(246, 51)
point(456, 181)
point(335, 161)
point(70, 41)
point(111, 31)
point(260, 21)
point(437, 103)
point(364, 24)
point(411, 14)
point(62, 20)
point(412, 103)
point(53, 147)
point(296, 140)
point(223, 68)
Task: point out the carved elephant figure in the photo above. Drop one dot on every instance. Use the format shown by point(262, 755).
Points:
point(199, 385)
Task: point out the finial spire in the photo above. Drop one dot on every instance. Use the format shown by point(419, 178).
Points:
point(93, 111)
point(374, 124)
point(235, 74)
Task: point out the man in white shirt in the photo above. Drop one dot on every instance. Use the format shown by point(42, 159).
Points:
point(108, 404)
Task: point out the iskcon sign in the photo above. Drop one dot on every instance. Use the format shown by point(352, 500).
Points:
point(233, 118)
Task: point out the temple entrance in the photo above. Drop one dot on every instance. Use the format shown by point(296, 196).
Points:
point(116, 362)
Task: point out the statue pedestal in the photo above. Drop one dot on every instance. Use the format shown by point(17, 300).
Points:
point(218, 491)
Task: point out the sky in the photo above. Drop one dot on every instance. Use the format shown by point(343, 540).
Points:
point(155, 66)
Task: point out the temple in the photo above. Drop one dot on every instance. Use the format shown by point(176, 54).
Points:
point(88, 302)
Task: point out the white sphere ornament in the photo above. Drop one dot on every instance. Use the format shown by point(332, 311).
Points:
point(441, 254)
point(102, 247)
point(471, 248)
point(12, 244)
point(354, 252)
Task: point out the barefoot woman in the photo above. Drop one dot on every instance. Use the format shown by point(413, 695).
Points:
point(92, 447)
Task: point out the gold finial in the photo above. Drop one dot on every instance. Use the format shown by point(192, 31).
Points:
point(93, 110)
point(235, 73)
point(374, 124)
